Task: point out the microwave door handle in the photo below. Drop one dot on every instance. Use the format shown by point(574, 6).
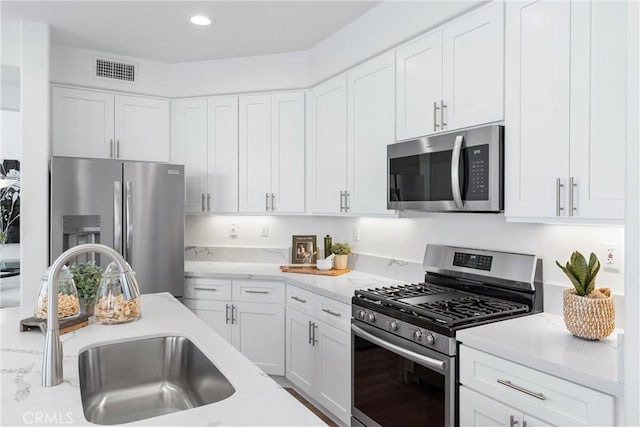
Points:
point(428, 362)
point(117, 216)
point(455, 172)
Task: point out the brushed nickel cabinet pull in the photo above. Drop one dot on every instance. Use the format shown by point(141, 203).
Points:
point(226, 314)
point(202, 197)
point(572, 201)
point(521, 389)
point(273, 202)
point(435, 116)
point(341, 201)
point(266, 202)
point(512, 421)
point(208, 202)
point(559, 187)
point(295, 298)
point(442, 107)
point(314, 341)
point(257, 292)
point(117, 149)
point(333, 313)
point(206, 289)
point(111, 148)
point(310, 326)
point(346, 201)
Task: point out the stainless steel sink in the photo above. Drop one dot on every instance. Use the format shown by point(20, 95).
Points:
point(135, 380)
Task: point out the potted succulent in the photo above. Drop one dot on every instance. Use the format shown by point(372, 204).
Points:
point(87, 277)
point(341, 252)
point(588, 312)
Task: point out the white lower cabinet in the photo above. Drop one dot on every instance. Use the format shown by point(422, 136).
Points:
point(247, 313)
point(498, 392)
point(319, 353)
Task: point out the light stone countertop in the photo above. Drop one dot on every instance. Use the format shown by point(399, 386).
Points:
point(339, 288)
point(258, 400)
point(542, 342)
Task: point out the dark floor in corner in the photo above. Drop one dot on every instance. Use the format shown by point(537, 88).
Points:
point(312, 408)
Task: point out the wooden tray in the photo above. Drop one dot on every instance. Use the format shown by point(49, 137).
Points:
point(66, 325)
point(312, 270)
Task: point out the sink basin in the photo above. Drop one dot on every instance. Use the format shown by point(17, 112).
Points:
point(135, 380)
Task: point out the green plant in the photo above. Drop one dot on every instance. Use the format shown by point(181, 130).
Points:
point(581, 274)
point(87, 277)
point(340, 249)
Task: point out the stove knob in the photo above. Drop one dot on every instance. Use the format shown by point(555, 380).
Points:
point(430, 339)
point(362, 314)
point(371, 317)
point(417, 335)
point(393, 325)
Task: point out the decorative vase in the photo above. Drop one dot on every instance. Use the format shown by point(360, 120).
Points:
point(589, 318)
point(340, 261)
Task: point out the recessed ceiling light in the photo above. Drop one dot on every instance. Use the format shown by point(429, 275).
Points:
point(200, 20)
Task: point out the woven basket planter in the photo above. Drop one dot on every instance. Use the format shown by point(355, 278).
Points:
point(589, 318)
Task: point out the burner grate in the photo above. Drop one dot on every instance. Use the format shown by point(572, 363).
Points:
point(468, 309)
point(400, 291)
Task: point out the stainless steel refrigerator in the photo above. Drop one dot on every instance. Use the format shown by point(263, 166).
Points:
point(136, 208)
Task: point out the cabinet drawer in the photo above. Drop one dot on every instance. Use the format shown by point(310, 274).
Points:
point(301, 300)
point(333, 313)
point(551, 399)
point(207, 288)
point(258, 291)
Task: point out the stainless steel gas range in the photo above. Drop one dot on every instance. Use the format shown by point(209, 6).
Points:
point(403, 338)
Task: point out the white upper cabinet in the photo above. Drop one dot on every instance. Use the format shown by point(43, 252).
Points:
point(82, 123)
point(222, 154)
point(370, 128)
point(271, 153)
point(104, 125)
point(419, 86)
point(190, 133)
point(327, 146)
point(142, 128)
point(473, 64)
point(598, 108)
point(452, 77)
point(287, 152)
point(255, 153)
point(206, 141)
point(565, 110)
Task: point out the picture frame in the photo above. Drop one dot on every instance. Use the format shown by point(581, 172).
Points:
point(304, 249)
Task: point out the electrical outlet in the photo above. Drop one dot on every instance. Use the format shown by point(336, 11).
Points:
point(610, 255)
point(265, 230)
point(233, 230)
point(356, 233)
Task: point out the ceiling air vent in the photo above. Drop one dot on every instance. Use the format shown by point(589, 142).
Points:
point(115, 70)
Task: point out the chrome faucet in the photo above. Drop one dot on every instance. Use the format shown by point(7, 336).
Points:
point(52, 357)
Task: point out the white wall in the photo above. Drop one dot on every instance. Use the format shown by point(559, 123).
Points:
point(406, 238)
point(34, 173)
point(248, 74)
point(10, 46)
point(378, 29)
point(75, 66)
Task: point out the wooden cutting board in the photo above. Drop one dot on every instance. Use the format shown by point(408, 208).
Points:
point(66, 325)
point(312, 270)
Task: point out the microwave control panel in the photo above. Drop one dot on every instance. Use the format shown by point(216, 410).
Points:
point(477, 158)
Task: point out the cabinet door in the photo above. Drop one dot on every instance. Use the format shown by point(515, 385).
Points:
point(598, 108)
point(300, 352)
point(216, 314)
point(537, 108)
point(370, 129)
point(327, 146)
point(82, 123)
point(477, 410)
point(418, 86)
point(223, 154)
point(258, 333)
point(333, 377)
point(255, 152)
point(287, 152)
point(473, 63)
point(190, 118)
point(142, 129)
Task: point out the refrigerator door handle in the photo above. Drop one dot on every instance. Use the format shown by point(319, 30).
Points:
point(117, 216)
point(128, 222)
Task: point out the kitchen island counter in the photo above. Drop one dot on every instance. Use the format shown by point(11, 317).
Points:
point(257, 400)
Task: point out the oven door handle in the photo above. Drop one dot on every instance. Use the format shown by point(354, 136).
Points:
point(455, 172)
point(428, 362)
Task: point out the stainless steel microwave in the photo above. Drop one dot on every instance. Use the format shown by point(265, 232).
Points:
point(460, 171)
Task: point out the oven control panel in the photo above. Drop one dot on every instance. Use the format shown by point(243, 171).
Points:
point(468, 260)
point(421, 336)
